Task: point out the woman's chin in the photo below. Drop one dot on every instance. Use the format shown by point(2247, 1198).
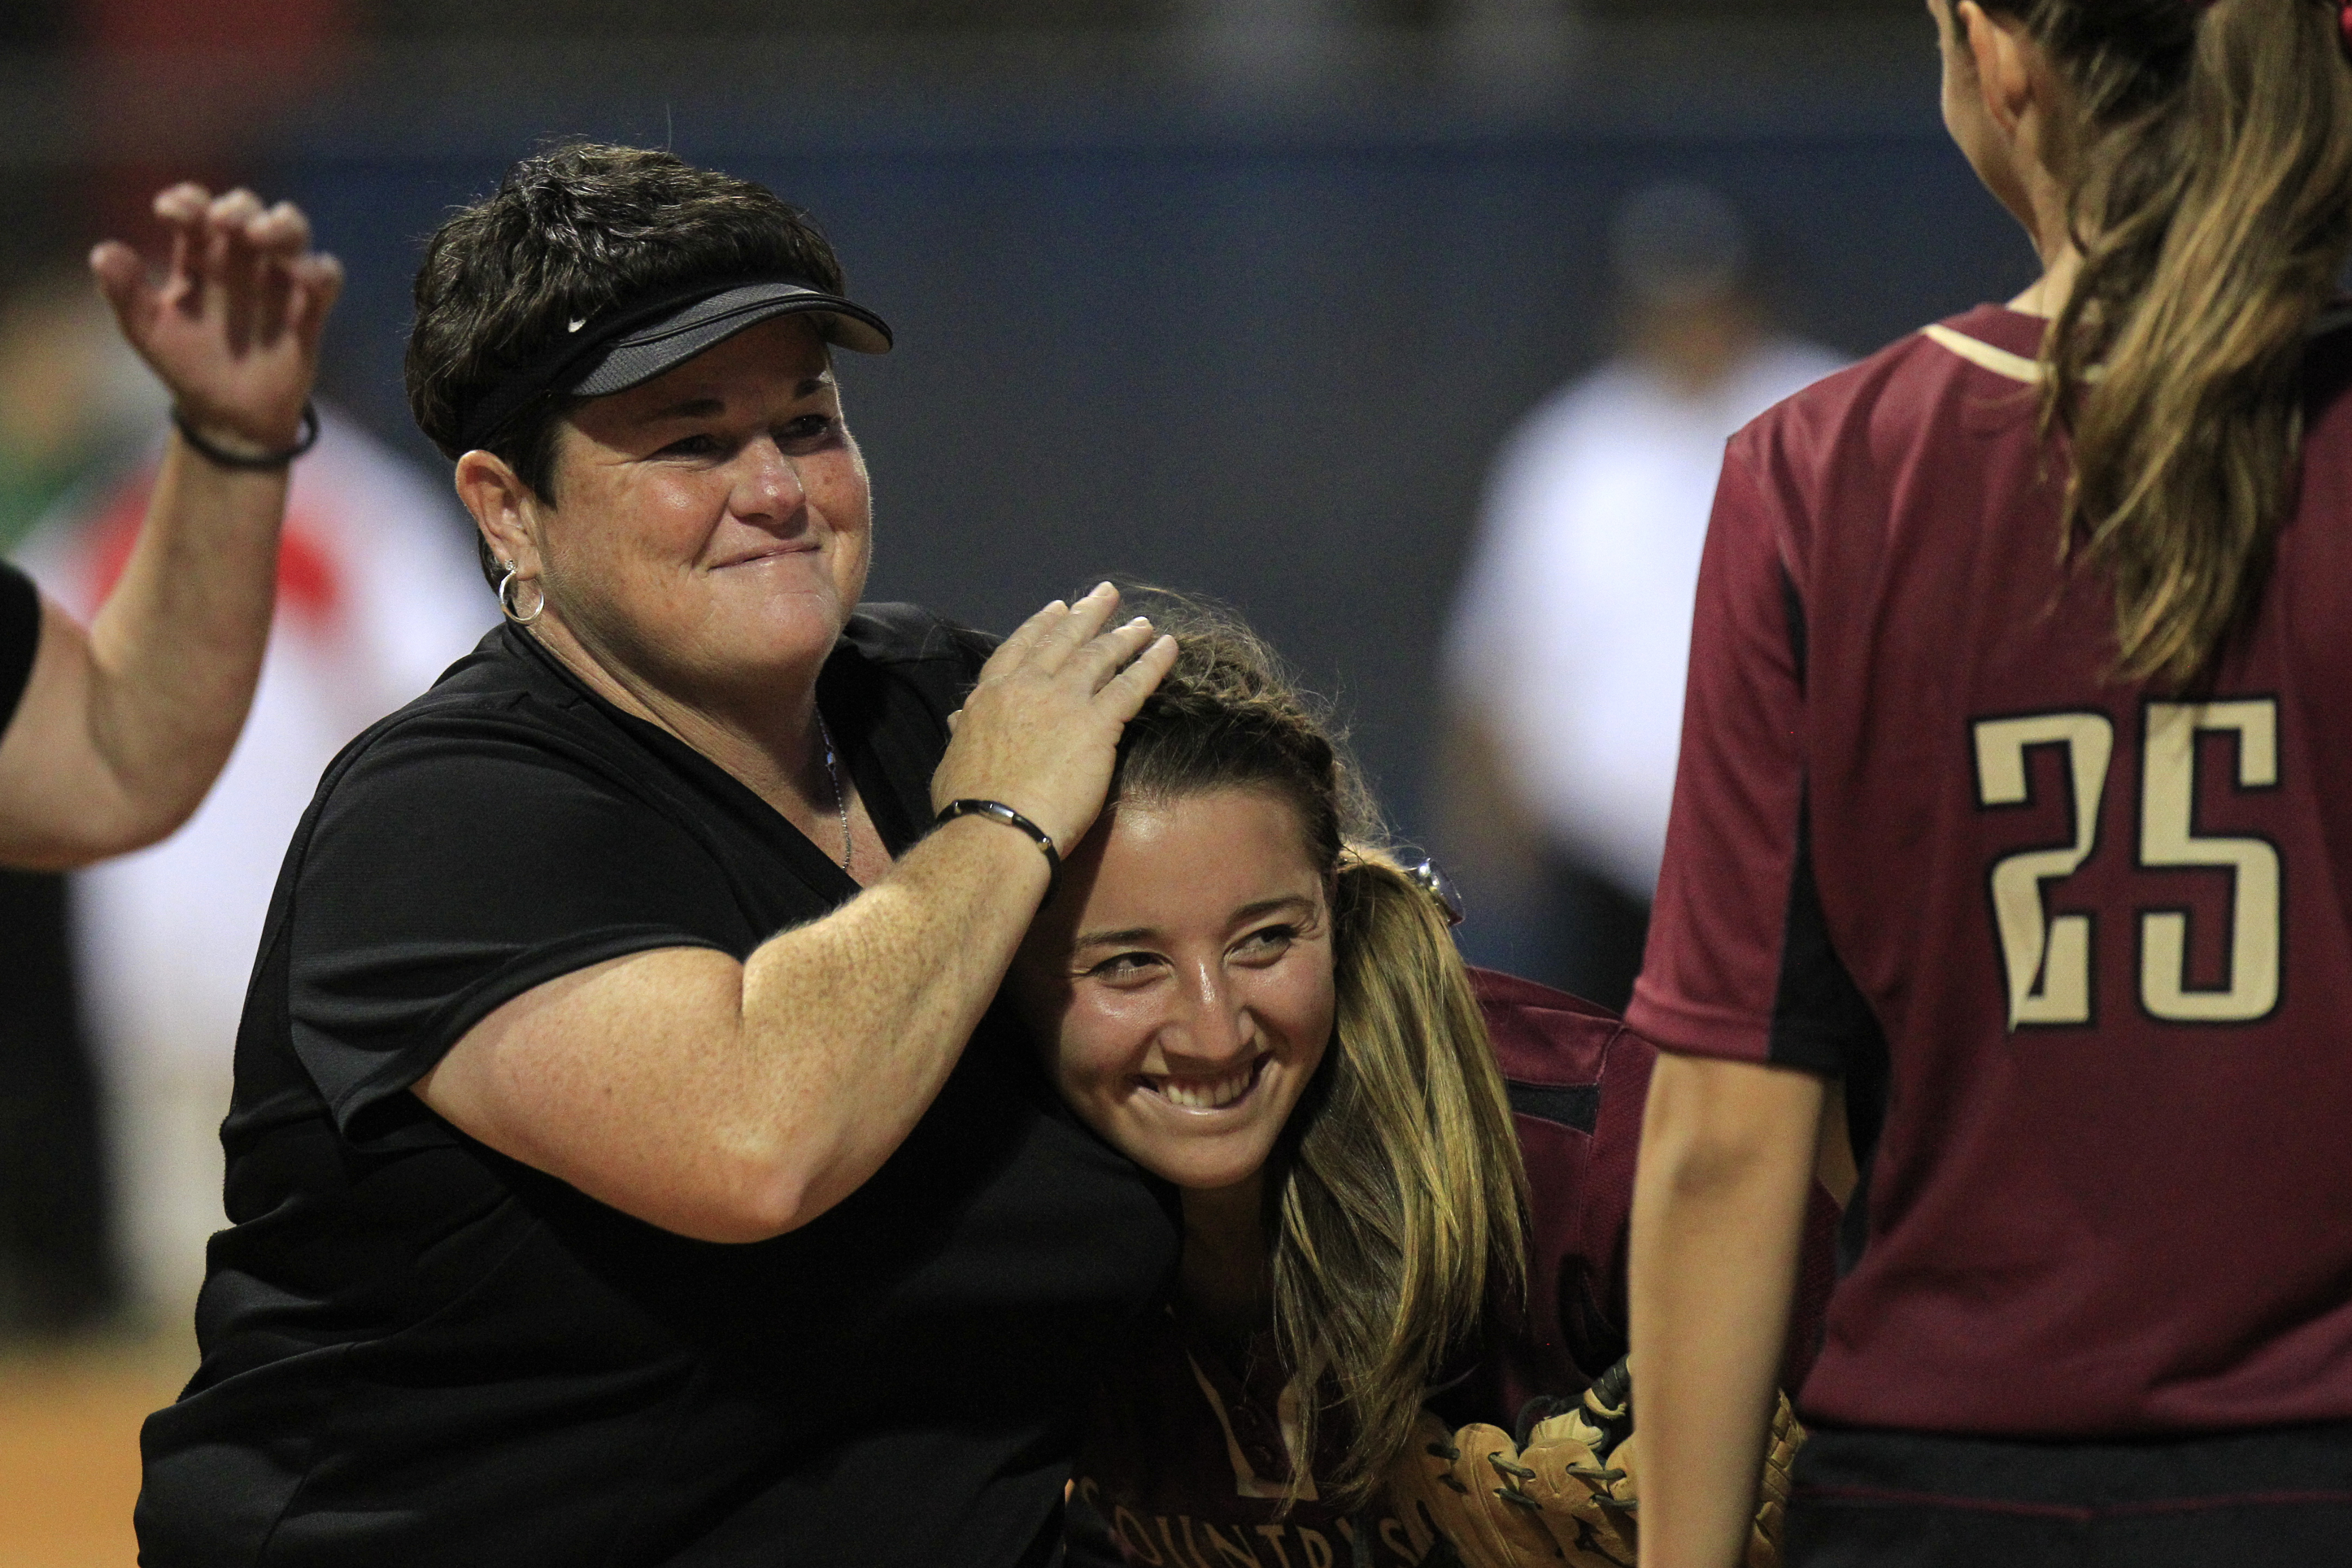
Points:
point(1206, 1165)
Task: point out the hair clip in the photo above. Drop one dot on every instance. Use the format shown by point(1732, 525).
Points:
point(1432, 880)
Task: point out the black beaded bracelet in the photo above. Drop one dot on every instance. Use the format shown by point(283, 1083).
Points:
point(221, 456)
point(997, 811)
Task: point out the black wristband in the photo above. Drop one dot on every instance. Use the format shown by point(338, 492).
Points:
point(997, 811)
point(221, 458)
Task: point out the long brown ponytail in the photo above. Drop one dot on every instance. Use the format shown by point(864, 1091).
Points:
point(1395, 1197)
point(1401, 1199)
point(2212, 181)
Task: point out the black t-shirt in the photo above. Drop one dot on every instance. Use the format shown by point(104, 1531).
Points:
point(418, 1351)
point(20, 638)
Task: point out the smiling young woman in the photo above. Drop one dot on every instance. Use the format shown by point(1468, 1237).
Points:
point(1196, 999)
point(1402, 1183)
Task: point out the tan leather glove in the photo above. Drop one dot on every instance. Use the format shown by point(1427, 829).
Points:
point(1571, 1493)
point(1772, 1497)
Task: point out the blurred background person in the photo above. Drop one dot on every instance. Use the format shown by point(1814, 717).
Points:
point(120, 1020)
point(1564, 663)
point(111, 731)
point(74, 399)
point(73, 395)
point(377, 594)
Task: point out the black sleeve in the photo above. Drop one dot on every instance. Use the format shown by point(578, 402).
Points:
point(452, 866)
point(20, 638)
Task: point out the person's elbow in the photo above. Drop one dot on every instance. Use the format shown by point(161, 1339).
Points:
point(724, 1187)
point(1712, 1128)
point(1708, 1163)
point(634, 1081)
point(68, 796)
point(69, 834)
point(147, 817)
point(94, 765)
point(751, 1189)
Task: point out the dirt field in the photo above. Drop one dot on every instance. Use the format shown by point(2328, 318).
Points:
point(69, 1448)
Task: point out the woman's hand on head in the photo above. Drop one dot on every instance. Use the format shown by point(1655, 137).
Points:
point(232, 324)
point(1040, 730)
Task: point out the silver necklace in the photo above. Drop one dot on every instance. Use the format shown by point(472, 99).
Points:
point(840, 795)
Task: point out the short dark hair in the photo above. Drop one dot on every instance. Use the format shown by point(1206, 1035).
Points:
point(569, 232)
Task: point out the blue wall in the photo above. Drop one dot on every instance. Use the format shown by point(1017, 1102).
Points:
point(1270, 366)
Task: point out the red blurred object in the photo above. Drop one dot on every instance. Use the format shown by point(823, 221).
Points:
point(307, 583)
point(179, 87)
point(283, 29)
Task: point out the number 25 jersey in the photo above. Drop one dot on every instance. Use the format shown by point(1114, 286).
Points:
point(2078, 947)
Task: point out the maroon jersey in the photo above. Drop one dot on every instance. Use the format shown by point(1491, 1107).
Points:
point(2077, 946)
point(1187, 1456)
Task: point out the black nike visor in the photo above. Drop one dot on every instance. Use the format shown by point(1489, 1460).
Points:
point(631, 341)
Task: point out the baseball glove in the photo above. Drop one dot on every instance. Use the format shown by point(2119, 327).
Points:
point(1565, 1492)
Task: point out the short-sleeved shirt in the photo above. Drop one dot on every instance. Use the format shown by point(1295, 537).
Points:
point(2078, 946)
point(20, 638)
point(1573, 620)
point(1184, 1446)
point(418, 1351)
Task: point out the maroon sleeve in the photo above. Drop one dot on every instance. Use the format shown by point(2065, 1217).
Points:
point(1591, 1271)
point(1578, 1080)
point(1719, 929)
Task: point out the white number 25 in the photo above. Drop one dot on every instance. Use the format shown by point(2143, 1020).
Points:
point(2049, 961)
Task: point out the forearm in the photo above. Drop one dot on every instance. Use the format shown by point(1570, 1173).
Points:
point(1727, 1165)
point(857, 1020)
point(130, 722)
point(176, 650)
point(736, 1101)
point(123, 726)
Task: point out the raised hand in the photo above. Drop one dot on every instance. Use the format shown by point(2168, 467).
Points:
point(232, 324)
point(1040, 730)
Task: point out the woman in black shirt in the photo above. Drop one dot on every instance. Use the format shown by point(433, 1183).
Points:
point(580, 1216)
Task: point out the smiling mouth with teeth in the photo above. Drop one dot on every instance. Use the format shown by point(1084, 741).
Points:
point(1209, 1093)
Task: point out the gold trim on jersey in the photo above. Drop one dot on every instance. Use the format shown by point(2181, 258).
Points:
point(1246, 1481)
point(1984, 356)
point(2017, 367)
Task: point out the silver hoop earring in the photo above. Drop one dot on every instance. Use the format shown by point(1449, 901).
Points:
point(507, 599)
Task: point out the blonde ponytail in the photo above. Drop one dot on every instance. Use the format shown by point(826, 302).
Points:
point(2213, 198)
point(1399, 1206)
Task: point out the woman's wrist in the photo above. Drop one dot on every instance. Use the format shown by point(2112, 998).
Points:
point(998, 812)
point(227, 447)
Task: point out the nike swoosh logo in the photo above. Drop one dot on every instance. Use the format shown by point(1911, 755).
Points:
point(578, 322)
